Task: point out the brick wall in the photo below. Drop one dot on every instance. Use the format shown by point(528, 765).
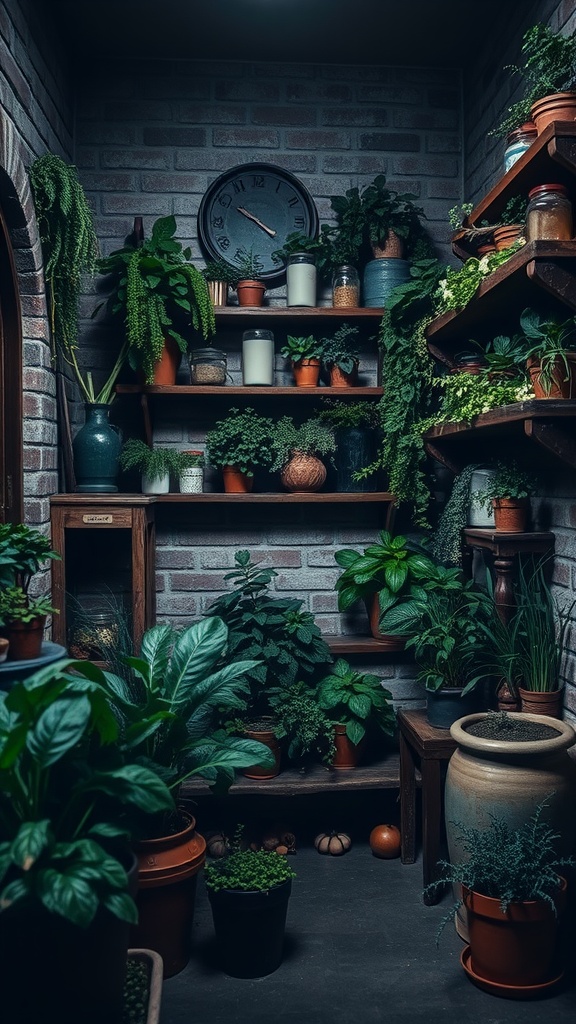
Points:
point(35, 117)
point(488, 92)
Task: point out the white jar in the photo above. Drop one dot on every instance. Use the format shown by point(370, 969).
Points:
point(478, 514)
point(156, 484)
point(192, 480)
point(257, 357)
point(301, 280)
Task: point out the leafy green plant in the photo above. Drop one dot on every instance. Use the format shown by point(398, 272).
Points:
point(154, 462)
point(66, 793)
point(338, 413)
point(70, 249)
point(510, 864)
point(549, 66)
point(506, 355)
point(467, 395)
point(384, 210)
point(458, 214)
point(159, 294)
point(547, 343)
point(356, 699)
point(242, 439)
point(514, 211)
point(22, 551)
point(219, 270)
point(388, 567)
point(297, 348)
point(276, 631)
point(341, 349)
point(311, 438)
point(297, 242)
point(17, 606)
point(446, 541)
point(248, 870)
point(249, 266)
point(457, 287)
point(169, 705)
point(300, 720)
point(509, 481)
point(344, 241)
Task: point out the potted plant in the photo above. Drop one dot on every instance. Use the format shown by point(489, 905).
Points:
point(249, 892)
point(160, 296)
point(191, 476)
point(67, 877)
point(507, 493)
point(220, 277)
point(304, 354)
point(249, 287)
point(155, 464)
point(390, 218)
point(300, 720)
point(511, 223)
point(340, 356)
point(506, 356)
point(22, 618)
point(238, 444)
point(540, 643)
point(298, 452)
point(548, 73)
point(353, 701)
point(514, 896)
point(550, 355)
point(168, 703)
point(354, 425)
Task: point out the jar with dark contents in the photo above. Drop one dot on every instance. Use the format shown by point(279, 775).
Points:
point(346, 287)
point(549, 214)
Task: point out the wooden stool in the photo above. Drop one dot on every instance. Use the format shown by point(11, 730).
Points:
point(422, 742)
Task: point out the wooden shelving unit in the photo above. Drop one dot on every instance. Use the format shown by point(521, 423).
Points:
point(237, 316)
point(504, 547)
point(280, 498)
point(239, 391)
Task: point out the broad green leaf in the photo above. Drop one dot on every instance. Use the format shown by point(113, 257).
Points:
point(360, 705)
point(58, 729)
point(32, 838)
point(355, 731)
point(19, 889)
point(122, 905)
point(395, 576)
point(67, 895)
point(155, 650)
point(346, 557)
point(133, 784)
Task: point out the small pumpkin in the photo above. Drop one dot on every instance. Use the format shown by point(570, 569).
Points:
point(217, 845)
point(334, 843)
point(385, 841)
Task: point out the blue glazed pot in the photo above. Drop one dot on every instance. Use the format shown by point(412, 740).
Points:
point(381, 277)
point(96, 448)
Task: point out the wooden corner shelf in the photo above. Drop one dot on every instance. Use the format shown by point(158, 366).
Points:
point(341, 645)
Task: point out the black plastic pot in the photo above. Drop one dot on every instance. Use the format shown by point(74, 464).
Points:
point(249, 929)
point(444, 707)
point(355, 451)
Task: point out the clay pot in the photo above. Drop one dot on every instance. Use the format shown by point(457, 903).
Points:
point(25, 638)
point(393, 247)
point(505, 699)
point(303, 473)
point(506, 235)
point(560, 106)
point(539, 702)
point(347, 754)
point(563, 377)
point(339, 379)
point(250, 293)
point(389, 643)
point(166, 369)
point(235, 481)
point(515, 948)
point(269, 739)
point(167, 873)
point(510, 514)
point(306, 373)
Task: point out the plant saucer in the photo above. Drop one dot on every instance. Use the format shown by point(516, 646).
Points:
point(496, 988)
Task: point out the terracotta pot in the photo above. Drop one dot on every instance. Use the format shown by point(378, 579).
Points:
point(166, 369)
point(250, 293)
point(389, 643)
point(393, 247)
point(510, 514)
point(235, 481)
point(339, 379)
point(563, 377)
point(303, 473)
point(485, 250)
point(347, 754)
point(25, 638)
point(269, 739)
point(218, 292)
point(167, 873)
point(539, 702)
point(306, 373)
point(506, 235)
point(505, 699)
point(515, 948)
point(560, 106)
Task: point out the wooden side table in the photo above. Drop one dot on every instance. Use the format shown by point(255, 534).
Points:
point(422, 745)
point(504, 547)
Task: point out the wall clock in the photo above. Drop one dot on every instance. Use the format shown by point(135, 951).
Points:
point(254, 206)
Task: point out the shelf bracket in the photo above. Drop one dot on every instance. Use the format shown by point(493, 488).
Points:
point(553, 438)
point(554, 279)
point(562, 149)
point(444, 459)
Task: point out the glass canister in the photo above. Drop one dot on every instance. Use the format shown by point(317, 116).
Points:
point(346, 287)
point(517, 142)
point(549, 213)
point(301, 280)
point(208, 366)
point(257, 357)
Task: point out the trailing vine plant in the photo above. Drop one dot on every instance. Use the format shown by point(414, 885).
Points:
point(457, 287)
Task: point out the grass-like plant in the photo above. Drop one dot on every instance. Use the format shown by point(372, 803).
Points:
point(153, 462)
point(249, 266)
point(311, 438)
point(542, 631)
point(242, 439)
point(356, 699)
point(248, 870)
point(548, 341)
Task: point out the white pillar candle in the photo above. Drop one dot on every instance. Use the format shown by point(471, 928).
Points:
point(300, 281)
point(257, 357)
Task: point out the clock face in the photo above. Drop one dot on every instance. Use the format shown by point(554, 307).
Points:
point(254, 207)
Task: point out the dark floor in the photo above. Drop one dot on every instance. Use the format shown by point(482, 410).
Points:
point(360, 945)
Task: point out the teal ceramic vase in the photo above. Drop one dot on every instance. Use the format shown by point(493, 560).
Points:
point(96, 448)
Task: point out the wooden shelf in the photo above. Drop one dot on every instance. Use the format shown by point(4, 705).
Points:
point(341, 645)
point(227, 390)
point(237, 315)
point(283, 498)
point(384, 774)
point(546, 421)
point(551, 157)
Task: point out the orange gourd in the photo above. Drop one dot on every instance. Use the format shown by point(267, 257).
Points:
point(385, 841)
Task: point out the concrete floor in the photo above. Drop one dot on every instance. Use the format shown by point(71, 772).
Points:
point(360, 945)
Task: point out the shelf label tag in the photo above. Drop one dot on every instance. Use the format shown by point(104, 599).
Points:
point(96, 518)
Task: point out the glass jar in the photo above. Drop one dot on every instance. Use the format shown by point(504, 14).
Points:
point(549, 214)
point(301, 280)
point(346, 287)
point(258, 357)
point(93, 635)
point(208, 366)
point(517, 142)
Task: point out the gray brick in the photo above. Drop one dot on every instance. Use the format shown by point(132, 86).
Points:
point(278, 115)
point(317, 140)
point(390, 142)
point(139, 159)
point(355, 117)
point(246, 137)
point(174, 136)
point(211, 113)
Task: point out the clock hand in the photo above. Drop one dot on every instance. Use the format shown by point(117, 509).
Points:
point(246, 213)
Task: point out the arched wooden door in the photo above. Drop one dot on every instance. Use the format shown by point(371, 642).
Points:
point(11, 476)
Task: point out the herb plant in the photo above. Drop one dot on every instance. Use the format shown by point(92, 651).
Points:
point(458, 214)
point(356, 699)
point(248, 870)
point(514, 211)
point(384, 210)
point(311, 438)
point(542, 631)
point(219, 270)
point(341, 349)
point(17, 606)
point(547, 342)
point(300, 720)
point(154, 462)
point(242, 439)
point(549, 66)
point(509, 481)
point(506, 355)
point(249, 266)
point(22, 551)
point(297, 348)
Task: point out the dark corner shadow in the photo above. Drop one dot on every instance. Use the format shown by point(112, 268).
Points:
point(208, 961)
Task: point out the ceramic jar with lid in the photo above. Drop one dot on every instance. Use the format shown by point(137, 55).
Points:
point(208, 366)
point(301, 280)
point(257, 357)
point(549, 213)
point(517, 142)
